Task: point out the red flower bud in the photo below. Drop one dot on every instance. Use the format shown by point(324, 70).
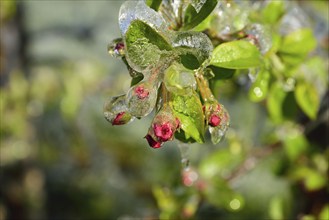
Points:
point(214, 120)
point(121, 118)
point(163, 132)
point(152, 142)
point(141, 92)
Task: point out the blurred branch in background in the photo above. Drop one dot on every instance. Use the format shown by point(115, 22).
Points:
point(60, 159)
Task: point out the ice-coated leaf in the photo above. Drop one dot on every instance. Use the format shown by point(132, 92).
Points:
point(188, 109)
point(192, 43)
point(196, 12)
point(258, 90)
point(144, 46)
point(307, 98)
point(298, 43)
point(154, 4)
point(138, 10)
point(179, 80)
point(236, 55)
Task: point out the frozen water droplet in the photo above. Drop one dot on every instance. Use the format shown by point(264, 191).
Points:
point(141, 98)
point(260, 36)
point(116, 48)
point(138, 10)
point(184, 152)
point(217, 134)
point(115, 110)
point(231, 17)
point(196, 43)
point(197, 4)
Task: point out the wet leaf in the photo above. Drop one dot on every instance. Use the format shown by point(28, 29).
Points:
point(236, 55)
point(188, 109)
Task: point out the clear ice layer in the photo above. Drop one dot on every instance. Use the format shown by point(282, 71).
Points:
point(197, 4)
point(179, 80)
point(114, 106)
point(141, 99)
point(193, 42)
point(138, 10)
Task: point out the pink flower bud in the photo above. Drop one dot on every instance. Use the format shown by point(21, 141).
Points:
point(121, 118)
point(163, 132)
point(141, 92)
point(153, 143)
point(214, 120)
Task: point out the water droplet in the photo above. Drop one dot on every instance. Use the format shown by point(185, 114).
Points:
point(141, 99)
point(184, 152)
point(115, 110)
point(116, 48)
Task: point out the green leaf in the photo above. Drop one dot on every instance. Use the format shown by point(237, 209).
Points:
point(205, 24)
point(275, 101)
point(236, 55)
point(313, 179)
point(144, 45)
point(192, 18)
point(189, 61)
point(273, 11)
point(258, 90)
point(136, 80)
point(298, 43)
point(154, 4)
point(188, 109)
point(307, 98)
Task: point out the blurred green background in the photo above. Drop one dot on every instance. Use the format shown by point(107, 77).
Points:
point(60, 159)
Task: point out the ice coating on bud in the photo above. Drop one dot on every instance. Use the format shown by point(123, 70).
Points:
point(260, 36)
point(116, 112)
point(163, 127)
point(141, 98)
point(179, 80)
point(218, 120)
point(116, 48)
point(138, 10)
